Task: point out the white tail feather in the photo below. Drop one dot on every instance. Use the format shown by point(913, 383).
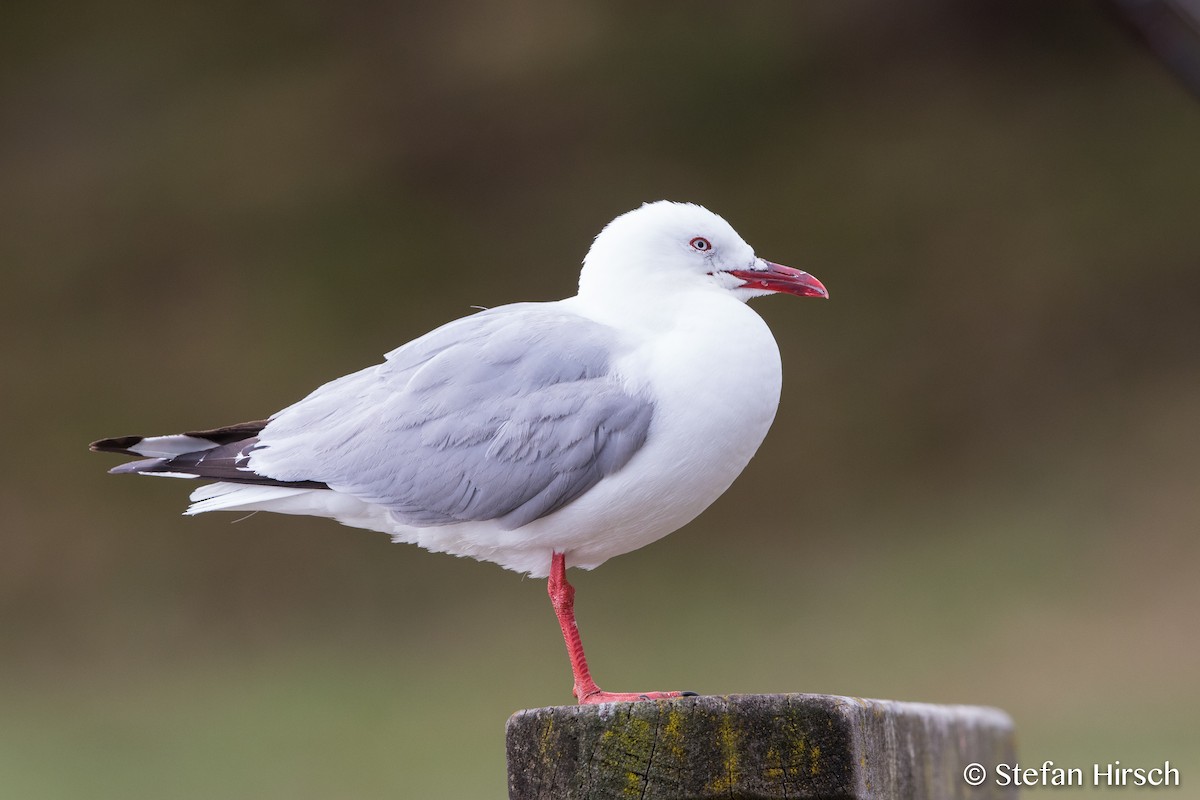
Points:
point(288, 500)
point(241, 497)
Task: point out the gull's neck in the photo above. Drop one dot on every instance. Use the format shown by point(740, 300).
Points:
point(647, 306)
point(649, 297)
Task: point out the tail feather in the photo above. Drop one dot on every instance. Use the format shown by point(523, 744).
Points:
point(344, 508)
point(227, 496)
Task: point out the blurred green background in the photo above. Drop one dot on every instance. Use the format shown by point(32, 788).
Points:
point(981, 486)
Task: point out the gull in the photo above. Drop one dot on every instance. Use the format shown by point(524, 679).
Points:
point(534, 435)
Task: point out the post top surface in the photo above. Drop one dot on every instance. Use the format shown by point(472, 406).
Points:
point(762, 746)
point(759, 703)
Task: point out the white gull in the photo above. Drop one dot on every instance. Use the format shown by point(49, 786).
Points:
point(532, 435)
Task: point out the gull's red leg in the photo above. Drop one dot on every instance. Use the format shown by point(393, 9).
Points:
point(562, 596)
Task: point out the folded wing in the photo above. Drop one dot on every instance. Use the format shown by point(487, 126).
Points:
point(506, 415)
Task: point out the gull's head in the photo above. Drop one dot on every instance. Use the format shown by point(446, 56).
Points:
point(676, 245)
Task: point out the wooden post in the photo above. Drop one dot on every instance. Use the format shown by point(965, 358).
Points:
point(757, 747)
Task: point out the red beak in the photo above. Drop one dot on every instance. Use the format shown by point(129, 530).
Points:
point(778, 278)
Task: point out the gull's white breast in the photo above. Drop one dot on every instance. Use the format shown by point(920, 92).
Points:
point(713, 372)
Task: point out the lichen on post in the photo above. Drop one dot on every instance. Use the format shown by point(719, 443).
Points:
point(755, 747)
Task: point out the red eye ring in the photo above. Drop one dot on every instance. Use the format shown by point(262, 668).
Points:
point(701, 244)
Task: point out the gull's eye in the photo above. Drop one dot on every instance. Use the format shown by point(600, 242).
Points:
point(701, 244)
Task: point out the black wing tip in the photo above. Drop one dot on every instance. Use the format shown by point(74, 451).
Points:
point(119, 444)
point(219, 462)
point(218, 436)
point(230, 433)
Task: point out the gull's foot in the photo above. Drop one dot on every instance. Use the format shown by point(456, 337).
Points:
point(630, 697)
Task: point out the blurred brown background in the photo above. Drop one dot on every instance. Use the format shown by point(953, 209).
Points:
point(981, 487)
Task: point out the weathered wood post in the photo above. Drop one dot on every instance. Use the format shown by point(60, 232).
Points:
point(758, 747)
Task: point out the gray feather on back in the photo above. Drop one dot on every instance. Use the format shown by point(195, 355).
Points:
point(505, 415)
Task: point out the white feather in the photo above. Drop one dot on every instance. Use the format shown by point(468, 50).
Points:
point(171, 446)
point(289, 500)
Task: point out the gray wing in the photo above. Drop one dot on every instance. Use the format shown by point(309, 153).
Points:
point(505, 415)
